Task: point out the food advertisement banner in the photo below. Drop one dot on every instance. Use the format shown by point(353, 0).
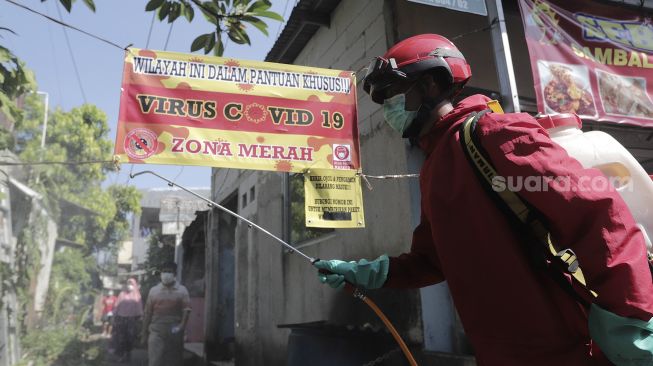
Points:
point(334, 199)
point(591, 59)
point(187, 109)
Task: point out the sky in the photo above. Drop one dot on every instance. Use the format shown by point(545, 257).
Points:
point(42, 45)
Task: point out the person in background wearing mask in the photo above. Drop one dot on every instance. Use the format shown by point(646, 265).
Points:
point(108, 303)
point(127, 315)
point(515, 308)
point(166, 314)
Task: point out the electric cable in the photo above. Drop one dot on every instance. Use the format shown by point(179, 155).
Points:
point(149, 33)
point(165, 47)
point(54, 61)
point(6, 163)
point(72, 56)
point(178, 174)
point(494, 22)
point(285, 21)
point(65, 24)
point(8, 30)
point(224, 48)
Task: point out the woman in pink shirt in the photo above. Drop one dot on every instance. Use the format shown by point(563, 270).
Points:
point(127, 316)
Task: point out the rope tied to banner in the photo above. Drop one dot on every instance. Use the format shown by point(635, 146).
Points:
point(387, 176)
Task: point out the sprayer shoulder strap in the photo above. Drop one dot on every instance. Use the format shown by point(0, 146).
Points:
point(515, 207)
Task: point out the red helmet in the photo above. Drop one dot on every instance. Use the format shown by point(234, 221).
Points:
point(410, 58)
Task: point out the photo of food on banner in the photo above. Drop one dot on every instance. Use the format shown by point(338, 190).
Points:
point(566, 88)
point(635, 103)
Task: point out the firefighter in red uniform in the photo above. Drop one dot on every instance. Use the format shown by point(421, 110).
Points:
point(515, 314)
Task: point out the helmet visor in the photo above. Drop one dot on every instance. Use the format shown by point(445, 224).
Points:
point(383, 75)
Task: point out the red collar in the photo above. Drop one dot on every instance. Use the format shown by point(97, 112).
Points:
point(466, 106)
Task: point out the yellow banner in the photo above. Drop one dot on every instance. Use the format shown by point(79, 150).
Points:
point(187, 109)
point(333, 199)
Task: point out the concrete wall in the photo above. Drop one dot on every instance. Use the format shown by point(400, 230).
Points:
point(9, 331)
point(221, 228)
point(46, 247)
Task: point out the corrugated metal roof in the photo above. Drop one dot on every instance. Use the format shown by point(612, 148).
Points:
point(306, 18)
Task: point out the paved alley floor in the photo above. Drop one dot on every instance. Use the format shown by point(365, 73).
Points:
point(139, 356)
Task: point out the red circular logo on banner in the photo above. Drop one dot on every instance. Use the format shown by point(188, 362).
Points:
point(141, 143)
point(342, 152)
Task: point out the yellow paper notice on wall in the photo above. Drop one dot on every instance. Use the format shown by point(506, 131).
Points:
point(334, 199)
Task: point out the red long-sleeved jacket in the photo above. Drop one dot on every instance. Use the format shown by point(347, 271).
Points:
point(515, 315)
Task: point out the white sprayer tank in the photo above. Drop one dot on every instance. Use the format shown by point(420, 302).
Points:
point(596, 149)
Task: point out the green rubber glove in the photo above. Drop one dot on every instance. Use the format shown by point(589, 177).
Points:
point(364, 274)
point(624, 341)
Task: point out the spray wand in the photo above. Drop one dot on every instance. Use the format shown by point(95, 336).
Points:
point(354, 291)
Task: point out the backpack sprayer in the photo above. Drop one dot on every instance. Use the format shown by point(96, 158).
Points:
point(355, 292)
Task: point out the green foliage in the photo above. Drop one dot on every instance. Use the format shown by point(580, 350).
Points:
point(93, 217)
point(79, 135)
point(126, 200)
point(68, 4)
point(28, 257)
point(15, 80)
point(159, 251)
point(70, 280)
point(6, 139)
point(225, 16)
point(60, 346)
point(6, 280)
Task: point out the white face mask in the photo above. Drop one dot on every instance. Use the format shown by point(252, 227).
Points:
point(167, 278)
point(396, 115)
point(130, 288)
